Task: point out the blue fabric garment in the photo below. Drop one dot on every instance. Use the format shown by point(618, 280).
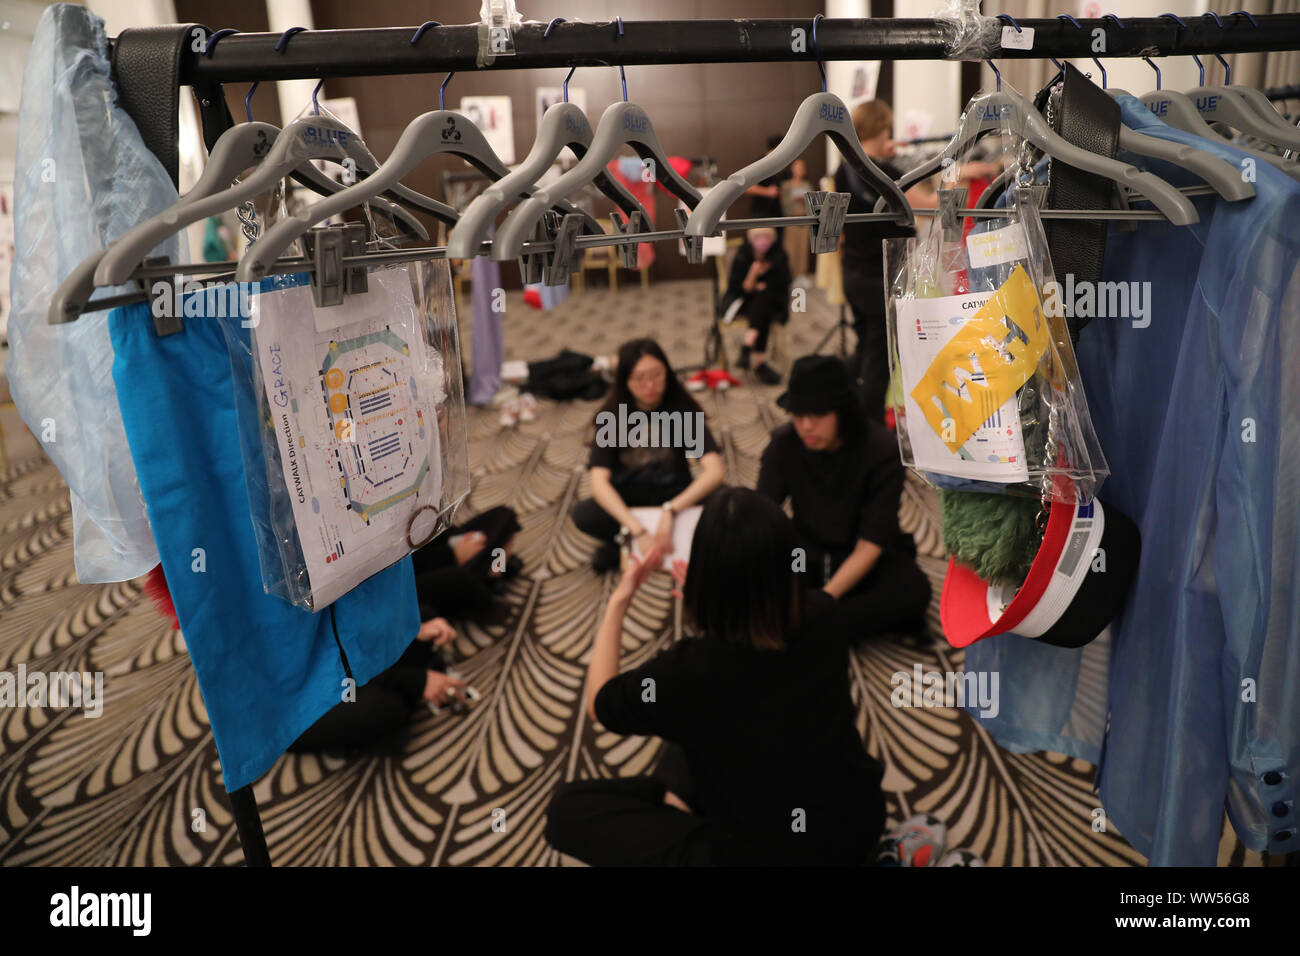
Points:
point(1199, 416)
point(267, 669)
point(83, 176)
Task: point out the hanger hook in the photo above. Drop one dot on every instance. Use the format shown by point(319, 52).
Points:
point(427, 24)
point(442, 91)
point(248, 100)
point(1200, 66)
point(621, 74)
point(1178, 20)
point(1243, 13)
point(284, 38)
point(212, 41)
point(1070, 19)
point(314, 93)
point(996, 72)
point(1111, 16)
point(1227, 70)
point(1151, 64)
point(549, 27)
point(1010, 19)
point(817, 53)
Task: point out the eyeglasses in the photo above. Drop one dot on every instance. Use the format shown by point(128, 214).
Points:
point(647, 378)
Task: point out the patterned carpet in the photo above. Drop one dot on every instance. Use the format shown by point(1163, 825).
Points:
point(141, 785)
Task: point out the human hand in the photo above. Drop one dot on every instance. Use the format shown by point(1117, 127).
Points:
point(678, 571)
point(437, 630)
point(469, 545)
point(441, 689)
point(663, 536)
point(638, 570)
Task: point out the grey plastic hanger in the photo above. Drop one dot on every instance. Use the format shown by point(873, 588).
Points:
point(312, 137)
point(563, 124)
point(438, 131)
point(1005, 109)
point(822, 114)
point(1235, 106)
point(622, 124)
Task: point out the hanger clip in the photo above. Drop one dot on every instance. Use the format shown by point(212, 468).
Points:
point(951, 202)
point(165, 323)
point(629, 252)
point(830, 209)
point(694, 245)
point(326, 246)
point(563, 261)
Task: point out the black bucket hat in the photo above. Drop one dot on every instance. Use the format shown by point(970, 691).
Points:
point(818, 384)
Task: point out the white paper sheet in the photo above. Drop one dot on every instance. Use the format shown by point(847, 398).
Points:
point(683, 530)
point(354, 415)
point(997, 449)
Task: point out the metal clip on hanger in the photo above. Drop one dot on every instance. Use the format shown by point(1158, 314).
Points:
point(820, 114)
point(563, 125)
point(1243, 108)
point(621, 124)
point(1006, 109)
point(237, 149)
point(439, 131)
point(312, 137)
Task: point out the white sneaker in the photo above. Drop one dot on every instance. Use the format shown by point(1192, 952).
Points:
point(527, 407)
point(510, 413)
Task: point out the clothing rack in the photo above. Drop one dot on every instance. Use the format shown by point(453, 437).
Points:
point(151, 64)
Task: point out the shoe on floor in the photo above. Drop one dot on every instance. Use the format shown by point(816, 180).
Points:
point(509, 413)
point(606, 557)
point(767, 375)
point(527, 407)
point(917, 841)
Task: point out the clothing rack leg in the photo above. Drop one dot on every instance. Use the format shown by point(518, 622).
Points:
point(249, 824)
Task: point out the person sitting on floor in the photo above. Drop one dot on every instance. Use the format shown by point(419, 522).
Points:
point(461, 570)
point(771, 769)
point(760, 280)
point(842, 472)
point(379, 716)
point(645, 433)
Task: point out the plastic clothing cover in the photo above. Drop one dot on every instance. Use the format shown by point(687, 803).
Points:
point(1197, 404)
point(83, 176)
point(267, 669)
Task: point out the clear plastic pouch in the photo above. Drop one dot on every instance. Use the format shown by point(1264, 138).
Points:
point(359, 454)
point(990, 396)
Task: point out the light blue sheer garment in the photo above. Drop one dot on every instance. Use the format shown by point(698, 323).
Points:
point(83, 176)
point(1199, 416)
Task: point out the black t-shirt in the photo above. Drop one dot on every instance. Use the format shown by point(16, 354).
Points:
point(861, 241)
point(839, 496)
point(763, 207)
point(766, 734)
point(650, 468)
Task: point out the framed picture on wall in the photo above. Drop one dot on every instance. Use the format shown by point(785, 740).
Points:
point(494, 116)
point(549, 95)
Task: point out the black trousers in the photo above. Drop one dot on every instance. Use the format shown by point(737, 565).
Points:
point(761, 309)
point(864, 287)
point(594, 520)
point(378, 719)
point(892, 598)
point(625, 822)
point(447, 589)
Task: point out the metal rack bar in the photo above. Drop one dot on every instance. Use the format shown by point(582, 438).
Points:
point(385, 51)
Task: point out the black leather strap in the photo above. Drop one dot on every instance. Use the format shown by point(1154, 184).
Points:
point(146, 71)
point(1089, 118)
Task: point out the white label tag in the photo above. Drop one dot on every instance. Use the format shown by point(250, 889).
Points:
point(1013, 39)
point(997, 246)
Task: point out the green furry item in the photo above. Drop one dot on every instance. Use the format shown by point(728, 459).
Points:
point(993, 535)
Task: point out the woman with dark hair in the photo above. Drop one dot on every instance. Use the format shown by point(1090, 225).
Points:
point(767, 767)
point(646, 431)
point(841, 471)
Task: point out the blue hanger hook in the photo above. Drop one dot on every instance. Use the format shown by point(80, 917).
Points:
point(549, 27)
point(817, 53)
point(316, 92)
point(1227, 70)
point(621, 74)
point(442, 91)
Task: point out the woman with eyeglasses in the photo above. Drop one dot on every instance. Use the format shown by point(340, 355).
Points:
point(646, 433)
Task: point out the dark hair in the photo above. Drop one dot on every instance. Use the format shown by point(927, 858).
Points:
point(851, 419)
point(740, 583)
point(629, 353)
